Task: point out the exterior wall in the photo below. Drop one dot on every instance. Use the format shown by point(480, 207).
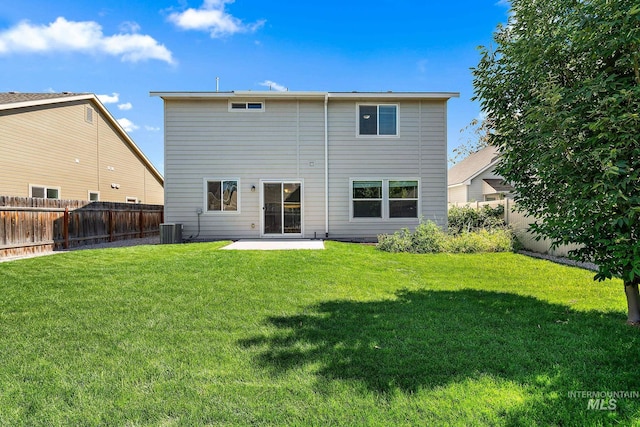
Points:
point(458, 194)
point(418, 152)
point(475, 191)
point(54, 146)
point(203, 139)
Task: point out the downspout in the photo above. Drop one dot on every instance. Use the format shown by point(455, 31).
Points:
point(326, 165)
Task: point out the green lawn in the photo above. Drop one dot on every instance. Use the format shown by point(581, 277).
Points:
point(192, 335)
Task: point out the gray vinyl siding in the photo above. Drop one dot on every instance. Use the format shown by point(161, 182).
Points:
point(203, 139)
point(418, 152)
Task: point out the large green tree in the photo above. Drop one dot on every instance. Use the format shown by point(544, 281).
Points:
point(562, 88)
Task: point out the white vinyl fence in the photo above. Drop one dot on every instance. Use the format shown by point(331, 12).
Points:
point(520, 223)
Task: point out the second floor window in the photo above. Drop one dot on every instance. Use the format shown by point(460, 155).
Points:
point(381, 120)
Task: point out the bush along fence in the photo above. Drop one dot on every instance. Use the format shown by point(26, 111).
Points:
point(32, 225)
point(520, 223)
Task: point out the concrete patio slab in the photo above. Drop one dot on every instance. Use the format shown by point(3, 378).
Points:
point(275, 245)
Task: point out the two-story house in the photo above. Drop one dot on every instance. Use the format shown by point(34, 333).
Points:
point(304, 164)
point(68, 146)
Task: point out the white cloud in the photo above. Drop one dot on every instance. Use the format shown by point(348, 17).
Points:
point(211, 17)
point(126, 106)
point(273, 86)
point(85, 37)
point(128, 125)
point(130, 27)
point(151, 128)
point(109, 99)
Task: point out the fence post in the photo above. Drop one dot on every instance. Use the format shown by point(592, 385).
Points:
point(141, 224)
point(110, 225)
point(506, 211)
point(65, 228)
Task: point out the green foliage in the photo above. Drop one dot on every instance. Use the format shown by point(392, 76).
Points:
point(465, 219)
point(497, 240)
point(562, 88)
point(429, 238)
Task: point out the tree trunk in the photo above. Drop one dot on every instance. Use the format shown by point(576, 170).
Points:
point(633, 302)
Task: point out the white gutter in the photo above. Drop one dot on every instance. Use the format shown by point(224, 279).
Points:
point(326, 165)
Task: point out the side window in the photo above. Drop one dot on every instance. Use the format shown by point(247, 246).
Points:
point(222, 195)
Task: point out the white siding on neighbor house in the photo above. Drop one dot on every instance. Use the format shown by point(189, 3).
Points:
point(458, 193)
point(418, 151)
point(203, 139)
point(476, 189)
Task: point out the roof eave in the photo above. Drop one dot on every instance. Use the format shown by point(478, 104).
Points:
point(307, 95)
point(35, 103)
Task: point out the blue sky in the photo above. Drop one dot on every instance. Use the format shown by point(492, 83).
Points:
point(121, 50)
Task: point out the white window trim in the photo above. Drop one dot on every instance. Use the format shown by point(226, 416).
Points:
point(95, 192)
point(397, 135)
point(131, 199)
point(246, 109)
point(385, 200)
point(46, 187)
point(205, 210)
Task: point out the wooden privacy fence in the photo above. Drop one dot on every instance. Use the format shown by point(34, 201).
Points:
point(520, 224)
point(31, 225)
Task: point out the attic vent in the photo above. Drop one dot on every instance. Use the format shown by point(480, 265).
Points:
point(89, 115)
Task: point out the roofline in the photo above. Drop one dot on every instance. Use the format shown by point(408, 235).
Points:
point(484, 169)
point(48, 101)
point(90, 97)
point(307, 95)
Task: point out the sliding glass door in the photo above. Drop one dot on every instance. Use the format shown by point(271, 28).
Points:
point(282, 208)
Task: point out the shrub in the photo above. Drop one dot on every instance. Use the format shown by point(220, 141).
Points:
point(429, 238)
point(466, 219)
point(498, 240)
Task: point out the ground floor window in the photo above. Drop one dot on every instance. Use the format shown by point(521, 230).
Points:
point(43, 192)
point(403, 199)
point(385, 198)
point(222, 195)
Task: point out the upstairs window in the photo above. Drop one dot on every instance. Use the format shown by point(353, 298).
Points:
point(378, 120)
point(246, 106)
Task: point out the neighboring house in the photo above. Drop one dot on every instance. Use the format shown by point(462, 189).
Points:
point(304, 164)
point(68, 146)
point(474, 178)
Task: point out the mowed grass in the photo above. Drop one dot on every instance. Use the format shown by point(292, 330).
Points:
point(193, 335)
